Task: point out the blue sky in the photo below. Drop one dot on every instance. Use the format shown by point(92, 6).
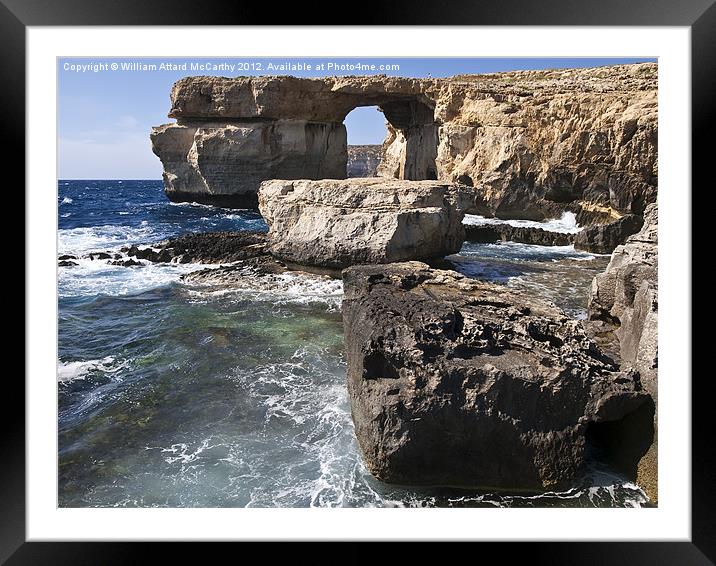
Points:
point(104, 116)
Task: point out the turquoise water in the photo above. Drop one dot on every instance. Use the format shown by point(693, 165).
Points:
point(178, 395)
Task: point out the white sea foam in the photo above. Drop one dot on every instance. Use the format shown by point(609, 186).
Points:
point(285, 288)
point(305, 288)
point(194, 204)
point(231, 216)
point(66, 200)
point(182, 453)
point(68, 372)
point(305, 395)
point(94, 277)
point(80, 241)
point(524, 252)
point(567, 224)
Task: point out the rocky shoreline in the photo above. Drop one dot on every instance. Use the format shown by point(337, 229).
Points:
point(454, 381)
point(623, 309)
point(598, 239)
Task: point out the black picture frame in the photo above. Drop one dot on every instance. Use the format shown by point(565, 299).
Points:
point(698, 15)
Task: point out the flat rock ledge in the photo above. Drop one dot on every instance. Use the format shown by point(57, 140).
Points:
point(487, 234)
point(457, 382)
point(333, 224)
point(598, 239)
point(207, 247)
point(233, 259)
point(237, 260)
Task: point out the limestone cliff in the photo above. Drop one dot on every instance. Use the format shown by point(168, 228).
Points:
point(533, 139)
point(624, 309)
point(363, 160)
point(532, 143)
point(625, 299)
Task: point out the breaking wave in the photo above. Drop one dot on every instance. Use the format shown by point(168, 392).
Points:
point(566, 224)
point(67, 372)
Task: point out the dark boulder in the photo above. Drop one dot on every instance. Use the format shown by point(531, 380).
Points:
point(99, 255)
point(66, 263)
point(457, 382)
point(126, 262)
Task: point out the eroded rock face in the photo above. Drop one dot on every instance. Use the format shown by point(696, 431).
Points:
point(605, 238)
point(624, 305)
point(223, 164)
point(535, 140)
point(626, 296)
point(334, 224)
point(464, 383)
point(532, 143)
point(523, 234)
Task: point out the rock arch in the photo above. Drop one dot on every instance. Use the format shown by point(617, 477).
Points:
point(232, 134)
point(533, 144)
point(412, 137)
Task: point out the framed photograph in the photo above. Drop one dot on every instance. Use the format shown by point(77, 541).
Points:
point(359, 283)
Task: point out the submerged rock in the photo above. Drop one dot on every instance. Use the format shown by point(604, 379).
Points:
point(263, 277)
point(522, 234)
point(605, 238)
point(126, 262)
point(332, 224)
point(457, 382)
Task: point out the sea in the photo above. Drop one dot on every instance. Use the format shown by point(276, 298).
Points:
point(171, 394)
